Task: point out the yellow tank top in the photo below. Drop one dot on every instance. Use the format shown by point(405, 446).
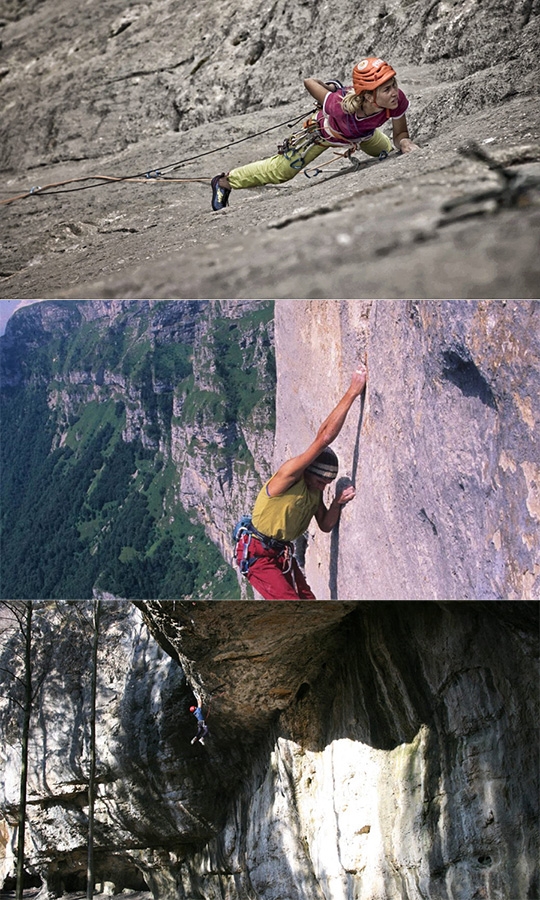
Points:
point(287, 516)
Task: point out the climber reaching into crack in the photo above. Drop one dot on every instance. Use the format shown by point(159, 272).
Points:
point(286, 505)
point(202, 727)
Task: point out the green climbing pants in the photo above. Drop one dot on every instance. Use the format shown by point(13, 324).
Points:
point(277, 169)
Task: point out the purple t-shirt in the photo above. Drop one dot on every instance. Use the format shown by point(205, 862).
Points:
point(353, 128)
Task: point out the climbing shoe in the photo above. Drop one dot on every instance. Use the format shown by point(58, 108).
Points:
point(220, 195)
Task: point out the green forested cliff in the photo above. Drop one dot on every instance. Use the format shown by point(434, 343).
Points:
point(133, 434)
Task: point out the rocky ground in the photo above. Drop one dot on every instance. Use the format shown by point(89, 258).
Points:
point(33, 894)
point(383, 230)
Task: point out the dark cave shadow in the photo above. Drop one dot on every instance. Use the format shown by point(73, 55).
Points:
point(383, 643)
point(466, 376)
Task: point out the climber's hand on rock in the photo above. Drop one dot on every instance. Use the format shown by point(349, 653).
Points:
point(346, 495)
point(358, 381)
point(407, 146)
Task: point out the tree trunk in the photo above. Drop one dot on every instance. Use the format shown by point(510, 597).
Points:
point(90, 874)
point(27, 631)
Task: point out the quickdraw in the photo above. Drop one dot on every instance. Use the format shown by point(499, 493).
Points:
point(246, 560)
point(295, 147)
point(242, 533)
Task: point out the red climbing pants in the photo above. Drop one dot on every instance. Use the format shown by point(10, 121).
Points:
point(268, 577)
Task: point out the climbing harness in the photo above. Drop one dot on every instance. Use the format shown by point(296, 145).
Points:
point(338, 137)
point(295, 148)
point(243, 534)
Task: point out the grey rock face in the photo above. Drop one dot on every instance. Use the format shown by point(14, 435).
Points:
point(118, 89)
point(104, 80)
point(444, 453)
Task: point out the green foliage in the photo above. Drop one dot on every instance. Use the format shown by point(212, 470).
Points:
point(112, 485)
point(172, 363)
point(82, 520)
point(94, 416)
point(240, 377)
point(237, 360)
point(91, 348)
point(41, 502)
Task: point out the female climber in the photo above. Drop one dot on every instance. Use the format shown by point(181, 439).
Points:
point(348, 118)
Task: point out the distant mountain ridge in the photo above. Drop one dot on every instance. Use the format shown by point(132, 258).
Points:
point(130, 428)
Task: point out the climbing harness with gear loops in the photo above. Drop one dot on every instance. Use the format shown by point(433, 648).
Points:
point(243, 533)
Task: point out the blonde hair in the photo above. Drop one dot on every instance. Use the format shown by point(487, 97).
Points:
point(353, 103)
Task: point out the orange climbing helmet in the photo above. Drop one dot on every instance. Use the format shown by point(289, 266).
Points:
point(370, 73)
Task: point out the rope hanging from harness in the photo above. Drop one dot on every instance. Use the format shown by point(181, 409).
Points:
point(155, 175)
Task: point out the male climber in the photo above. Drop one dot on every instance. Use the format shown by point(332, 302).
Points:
point(287, 503)
point(202, 727)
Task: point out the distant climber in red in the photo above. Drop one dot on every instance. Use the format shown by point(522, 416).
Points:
point(286, 505)
point(202, 727)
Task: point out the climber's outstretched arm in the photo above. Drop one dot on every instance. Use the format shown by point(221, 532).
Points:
point(292, 470)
